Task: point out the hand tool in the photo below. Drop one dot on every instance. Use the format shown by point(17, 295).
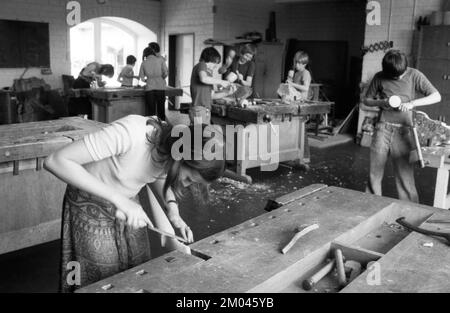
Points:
point(354, 268)
point(340, 267)
point(309, 283)
point(411, 227)
point(167, 234)
point(418, 149)
point(300, 233)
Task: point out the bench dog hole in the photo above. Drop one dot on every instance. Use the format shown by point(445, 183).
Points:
point(170, 259)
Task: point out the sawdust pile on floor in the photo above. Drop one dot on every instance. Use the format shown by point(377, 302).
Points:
point(234, 184)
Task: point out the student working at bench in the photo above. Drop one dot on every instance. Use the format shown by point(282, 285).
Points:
point(299, 77)
point(126, 76)
point(104, 228)
point(393, 135)
point(202, 86)
point(90, 76)
point(243, 67)
point(154, 72)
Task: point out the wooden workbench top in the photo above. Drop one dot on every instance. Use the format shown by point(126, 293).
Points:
point(38, 139)
point(266, 110)
point(247, 257)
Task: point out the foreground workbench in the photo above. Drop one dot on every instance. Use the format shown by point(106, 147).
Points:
point(30, 197)
point(247, 257)
point(284, 120)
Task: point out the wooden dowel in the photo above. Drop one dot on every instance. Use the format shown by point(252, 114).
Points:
point(309, 283)
point(340, 267)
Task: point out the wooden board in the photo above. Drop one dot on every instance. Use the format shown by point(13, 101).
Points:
point(247, 257)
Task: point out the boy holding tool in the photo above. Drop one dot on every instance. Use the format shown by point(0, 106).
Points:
point(393, 135)
point(202, 86)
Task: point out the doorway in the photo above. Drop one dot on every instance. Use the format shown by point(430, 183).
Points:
point(181, 62)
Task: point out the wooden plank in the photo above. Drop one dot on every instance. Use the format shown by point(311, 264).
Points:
point(440, 190)
point(293, 196)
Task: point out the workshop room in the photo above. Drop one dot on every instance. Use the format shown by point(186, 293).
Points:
point(224, 146)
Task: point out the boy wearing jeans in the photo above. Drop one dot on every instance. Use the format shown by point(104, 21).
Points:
point(202, 83)
point(393, 135)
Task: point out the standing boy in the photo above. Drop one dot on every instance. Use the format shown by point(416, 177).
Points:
point(202, 86)
point(126, 76)
point(393, 136)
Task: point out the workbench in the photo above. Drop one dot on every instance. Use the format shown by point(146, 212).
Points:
point(31, 198)
point(439, 158)
point(248, 258)
point(110, 104)
point(290, 120)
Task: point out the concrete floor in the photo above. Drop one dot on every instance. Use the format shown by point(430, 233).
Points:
point(36, 269)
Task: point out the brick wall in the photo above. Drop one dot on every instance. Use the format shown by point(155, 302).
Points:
point(323, 21)
point(146, 12)
point(397, 25)
point(235, 17)
point(183, 17)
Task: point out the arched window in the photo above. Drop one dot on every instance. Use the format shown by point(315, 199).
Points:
point(108, 40)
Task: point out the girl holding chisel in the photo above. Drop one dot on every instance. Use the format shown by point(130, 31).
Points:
point(104, 228)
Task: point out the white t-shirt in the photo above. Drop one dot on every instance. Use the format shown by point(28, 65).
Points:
point(122, 155)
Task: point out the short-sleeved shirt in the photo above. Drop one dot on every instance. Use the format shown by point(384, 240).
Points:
point(247, 69)
point(127, 75)
point(123, 156)
point(408, 87)
point(154, 68)
point(301, 78)
point(200, 92)
point(89, 72)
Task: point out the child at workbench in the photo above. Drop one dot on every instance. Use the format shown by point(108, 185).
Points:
point(104, 228)
point(154, 72)
point(90, 76)
point(299, 77)
point(393, 135)
point(202, 86)
point(126, 76)
point(243, 67)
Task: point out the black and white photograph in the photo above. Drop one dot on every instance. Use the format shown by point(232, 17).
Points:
point(224, 154)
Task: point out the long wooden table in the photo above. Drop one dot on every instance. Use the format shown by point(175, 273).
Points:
point(286, 121)
point(31, 198)
point(248, 258)
point(110, 104)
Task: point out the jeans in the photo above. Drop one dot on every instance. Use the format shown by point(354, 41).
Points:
point(395, 141)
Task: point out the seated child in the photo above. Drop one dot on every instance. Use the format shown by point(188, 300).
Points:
point(299, 77)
